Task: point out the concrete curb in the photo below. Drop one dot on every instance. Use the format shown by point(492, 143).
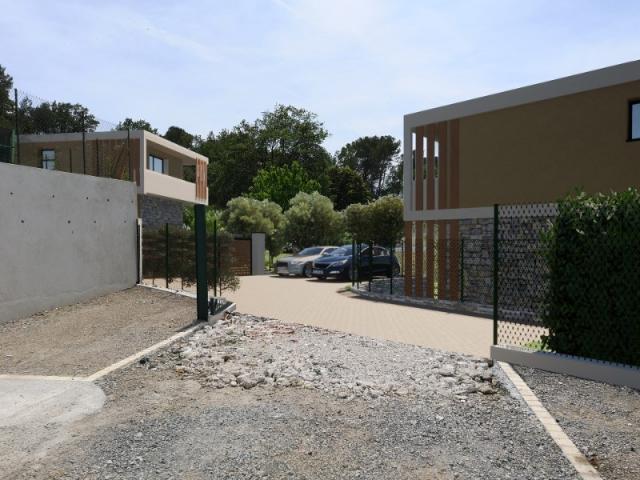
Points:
point(569, 450)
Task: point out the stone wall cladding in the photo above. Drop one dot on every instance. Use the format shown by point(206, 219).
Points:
point(156, 211)
point(477, 260)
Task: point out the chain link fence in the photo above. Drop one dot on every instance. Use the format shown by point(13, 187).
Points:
point(568, 277)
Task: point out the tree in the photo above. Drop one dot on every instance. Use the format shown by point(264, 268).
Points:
point(233, 162)
point(311, 220)
point(6, 101)
point(245, 216)
point(140, 124)
point(55, 117)
point(291, 134)
point(278, 138)
point(180, 136)
point(393, 185)
point(281, 184)
point(345, 187)
point(378, 222)
point(372, 158)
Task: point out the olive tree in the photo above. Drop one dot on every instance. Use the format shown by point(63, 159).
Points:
point(311, 220)
point(245, 216)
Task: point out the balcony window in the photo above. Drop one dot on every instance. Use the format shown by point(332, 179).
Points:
point(634, 120)
point(157, 164)
point(49, 159)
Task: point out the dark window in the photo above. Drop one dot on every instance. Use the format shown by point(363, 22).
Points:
point(49, 159)
point(157, 164)
point(634, 120)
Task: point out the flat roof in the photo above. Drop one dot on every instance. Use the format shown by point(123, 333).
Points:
point(582, 82)
point(110, 135)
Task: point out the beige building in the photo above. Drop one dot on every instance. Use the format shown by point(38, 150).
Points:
point(529, 145)
point(167, 175)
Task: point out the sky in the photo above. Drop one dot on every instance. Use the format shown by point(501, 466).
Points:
point(360, 65)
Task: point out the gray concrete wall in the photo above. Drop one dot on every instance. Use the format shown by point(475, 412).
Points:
point(156, 212)
point(63, 238)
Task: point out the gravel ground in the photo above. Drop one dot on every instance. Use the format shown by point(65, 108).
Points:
point(77, 340)
point(602, 420)
point(350, 408)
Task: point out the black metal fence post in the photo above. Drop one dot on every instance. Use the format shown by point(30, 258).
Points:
point(370, 264)
point(496, 275)
point(17, 113)
point(392, 254)
point(129, 154)
point(357, 261)
point(84, 147)
point(215, 257)
point(353, 263)
point(201, 262)
point(166, 255)
point(462, 270)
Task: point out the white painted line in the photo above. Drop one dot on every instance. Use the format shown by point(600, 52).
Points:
point(136, 356)
point(577, 459)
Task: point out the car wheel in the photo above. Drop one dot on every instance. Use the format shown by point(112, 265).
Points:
point(306, 271)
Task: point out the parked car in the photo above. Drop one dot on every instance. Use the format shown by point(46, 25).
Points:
point(301, 263)
point(338, 263)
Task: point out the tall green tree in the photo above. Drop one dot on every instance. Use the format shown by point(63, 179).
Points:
point(345, 187)
point(179, 136)
point(394, 182)
point(54, 117)
point(233, 162)
point(6, 99)
point(373, 158)
point(289, 134)
point(281, 183)
point(140, 124)
point(311, 220)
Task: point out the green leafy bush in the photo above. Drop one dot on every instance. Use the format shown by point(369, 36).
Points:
point(592, 307)
point(311, 220)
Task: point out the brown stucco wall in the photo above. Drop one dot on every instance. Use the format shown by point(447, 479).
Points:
point(541, 151)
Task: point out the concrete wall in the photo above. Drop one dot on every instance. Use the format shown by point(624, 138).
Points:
point(539, 152)
point(63, 238)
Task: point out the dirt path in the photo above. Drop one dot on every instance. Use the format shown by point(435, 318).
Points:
point(78, 340)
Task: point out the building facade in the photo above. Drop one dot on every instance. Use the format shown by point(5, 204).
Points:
point(534, 144)
point(167, 175)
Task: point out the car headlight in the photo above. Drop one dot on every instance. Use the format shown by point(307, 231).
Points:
point(339, 262)
point(296, 262)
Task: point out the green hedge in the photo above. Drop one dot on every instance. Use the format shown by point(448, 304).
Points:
point(592, 307)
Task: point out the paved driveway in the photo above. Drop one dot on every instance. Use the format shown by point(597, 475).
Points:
point(320, 303)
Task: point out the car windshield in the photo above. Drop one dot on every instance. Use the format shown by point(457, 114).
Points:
point(341, 252)
point(309, 251)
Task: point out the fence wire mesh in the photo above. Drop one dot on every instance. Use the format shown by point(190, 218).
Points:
point(568, 278)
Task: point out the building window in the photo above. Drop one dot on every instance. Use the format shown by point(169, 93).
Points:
point(49, 159)
point(634, 120)
point(157, 164)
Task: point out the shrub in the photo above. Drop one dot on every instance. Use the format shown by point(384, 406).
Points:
point(311, 220)
point(244, 216)
point(379, 222)
point(593, 298)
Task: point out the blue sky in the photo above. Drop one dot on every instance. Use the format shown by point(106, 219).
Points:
point(360, 65)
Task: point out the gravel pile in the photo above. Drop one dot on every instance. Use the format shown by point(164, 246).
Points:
point(247, 351)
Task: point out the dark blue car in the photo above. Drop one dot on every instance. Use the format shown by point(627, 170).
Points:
point(338, 263)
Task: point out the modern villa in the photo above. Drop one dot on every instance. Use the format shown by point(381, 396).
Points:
point(529, 145)
point(160, 168)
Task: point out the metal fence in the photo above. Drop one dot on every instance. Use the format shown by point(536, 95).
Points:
point(568, 280)
point(553, 278)
point(169, 259)
point(25, 138)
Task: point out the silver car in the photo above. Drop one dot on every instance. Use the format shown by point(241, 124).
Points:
point(301, 263)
